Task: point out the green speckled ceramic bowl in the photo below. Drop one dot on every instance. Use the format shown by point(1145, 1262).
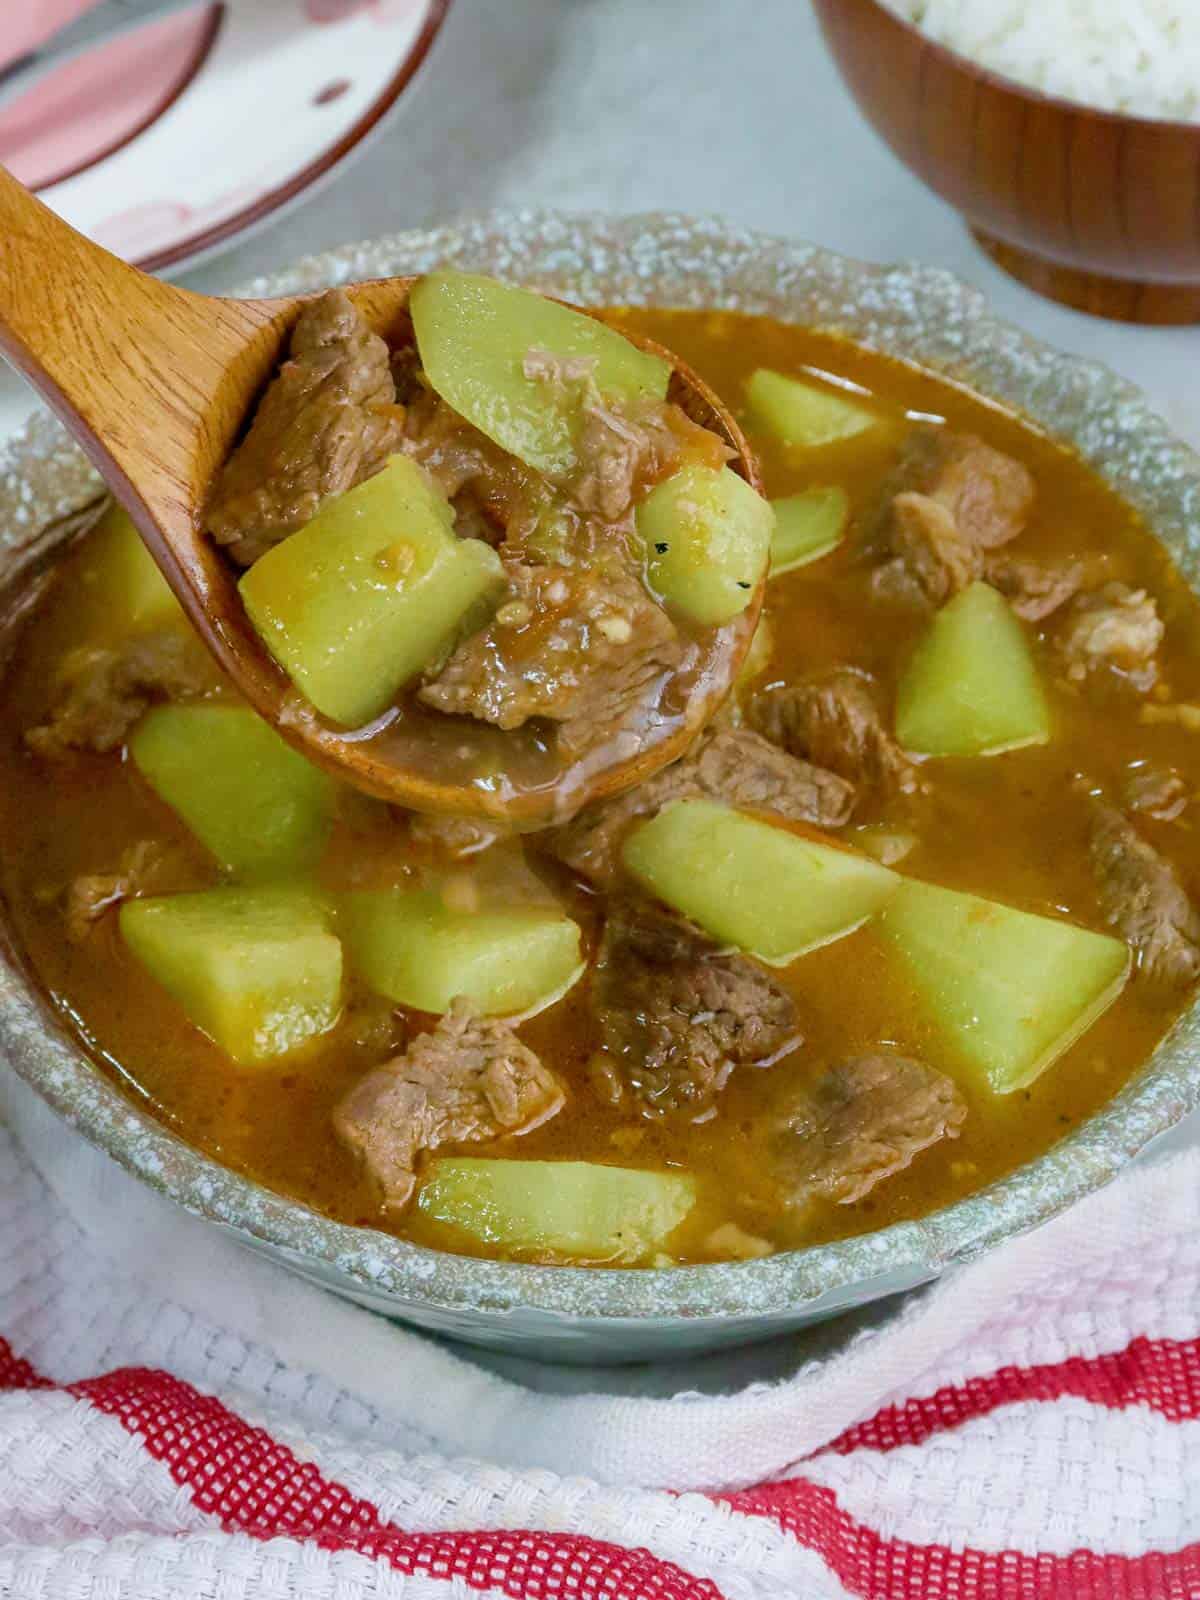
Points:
point(570, 1313)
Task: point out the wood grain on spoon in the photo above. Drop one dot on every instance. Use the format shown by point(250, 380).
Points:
point(156, 382)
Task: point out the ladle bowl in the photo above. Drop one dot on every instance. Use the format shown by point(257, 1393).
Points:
point(156, 382)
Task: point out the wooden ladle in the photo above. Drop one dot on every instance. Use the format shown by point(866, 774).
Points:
point(155, 382)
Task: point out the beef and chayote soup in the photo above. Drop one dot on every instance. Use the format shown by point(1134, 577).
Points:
point(913, 904)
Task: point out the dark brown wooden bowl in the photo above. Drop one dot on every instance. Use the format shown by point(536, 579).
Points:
point(1094, 209)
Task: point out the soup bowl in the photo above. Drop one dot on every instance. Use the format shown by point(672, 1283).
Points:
point(916, 314)
point(1092, 208)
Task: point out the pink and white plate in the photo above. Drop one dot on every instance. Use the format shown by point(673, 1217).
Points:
point(169, 143)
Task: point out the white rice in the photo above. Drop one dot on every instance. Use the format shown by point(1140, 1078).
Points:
point(1137, 56)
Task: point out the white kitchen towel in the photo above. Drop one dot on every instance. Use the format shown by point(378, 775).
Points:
point(178, 1417)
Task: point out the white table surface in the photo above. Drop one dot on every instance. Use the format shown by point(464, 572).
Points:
point(688, 105)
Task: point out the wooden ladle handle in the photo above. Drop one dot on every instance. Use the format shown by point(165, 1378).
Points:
point(136, 368)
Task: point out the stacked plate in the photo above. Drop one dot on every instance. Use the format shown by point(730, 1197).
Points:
point(165, 129)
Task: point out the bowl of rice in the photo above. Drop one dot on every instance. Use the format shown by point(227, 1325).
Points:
point(1067, 132)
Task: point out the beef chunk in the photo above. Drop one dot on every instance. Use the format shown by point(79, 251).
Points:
point(620, 450)
point(613, 450)
point(932, 549)
point(621, 692)
point(327, 421)
point(1033, 591)
point(108, 691)
point(468, 1080)
point(613, 454)
point(740, 767)
point(735, 765)
point(495, 496)
point(834, 721)
point(1157, 792)
point(952, 499)
point(148, 867)
point(580, 646)
point(1144, 901)
point(677, 1016)
point(864, 1121)
point(989, 494)
point(623, 454)
point(1115, 628)
point(484, 484)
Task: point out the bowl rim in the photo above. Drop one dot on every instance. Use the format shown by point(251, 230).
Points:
point(1000, 80)
point(924, 315)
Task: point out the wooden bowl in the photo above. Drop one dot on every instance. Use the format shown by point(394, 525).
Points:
point(1094, 209)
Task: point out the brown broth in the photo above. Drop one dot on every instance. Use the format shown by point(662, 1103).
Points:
point(514, 766)
point(1010, 827)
